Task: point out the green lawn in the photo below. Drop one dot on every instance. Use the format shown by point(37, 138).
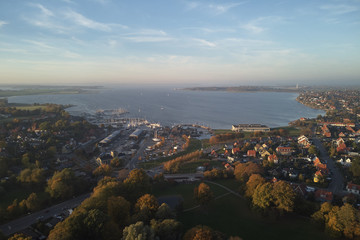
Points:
point(233, 216)
point(186, 191)
point(190, 167)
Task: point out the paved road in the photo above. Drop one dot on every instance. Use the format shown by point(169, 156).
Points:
point(24, 222)
point(337, 183)
point(140, 153)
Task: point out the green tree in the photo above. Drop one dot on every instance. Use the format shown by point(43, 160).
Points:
point(138, 231)
point(284, 196)
point(118, 209)
point(164, 212)
point(61, 185)
point(167, 229)
point(263, 196)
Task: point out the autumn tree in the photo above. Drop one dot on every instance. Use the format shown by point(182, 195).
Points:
point(284, 196)
point(203, 194)
point(33, 202)
point(19, 236)
point(137, 183)
point(103, 170)
point(146, 207)
point(244, 170)
point(263, 196)
point(252, 183)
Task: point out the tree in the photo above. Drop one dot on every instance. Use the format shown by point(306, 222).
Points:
point(138, 231)
point(61, 185)
point(252, 183)
point(137, 183)
point(118, 209)
point(263, 196)
point(20, 236)
point(203, 194)
point(244, 170)
point(313, 150)
point(167, 229)
point(103, 170)
point(284, 196)
point(33, 202)
point(164, 212)
point(201, 232)
point(146, 207)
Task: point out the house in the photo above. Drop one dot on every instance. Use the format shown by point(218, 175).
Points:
point(317, 176)
point(251, 153)
point(273, 158)
point(342, 134)
point(339, 141)
point(341, 148)
point(303, 141)
point(285, 151)
point(104, 158)
point(264, 153)
point(353, 188)
point(235, 150)
point(345, 162)
point(323, 195)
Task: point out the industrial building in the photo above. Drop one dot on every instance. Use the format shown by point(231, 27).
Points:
point(250, 128)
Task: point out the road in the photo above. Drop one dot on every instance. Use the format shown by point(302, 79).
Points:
point(337, 183)
point(24, 222)
point(140, 153)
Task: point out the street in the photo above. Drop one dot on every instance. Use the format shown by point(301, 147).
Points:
point(24, 222)
point(337, 183)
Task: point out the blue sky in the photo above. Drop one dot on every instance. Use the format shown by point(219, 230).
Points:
point(180, 42)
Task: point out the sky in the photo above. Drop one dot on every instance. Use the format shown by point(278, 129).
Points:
point(179, 42)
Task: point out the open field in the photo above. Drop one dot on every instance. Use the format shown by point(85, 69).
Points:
point(233, 216)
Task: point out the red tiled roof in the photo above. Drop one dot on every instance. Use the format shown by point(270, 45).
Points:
point(323, 195)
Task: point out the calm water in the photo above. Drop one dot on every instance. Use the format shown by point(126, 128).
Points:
point(214, 109)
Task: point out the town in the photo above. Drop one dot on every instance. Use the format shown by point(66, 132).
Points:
point(50, 161)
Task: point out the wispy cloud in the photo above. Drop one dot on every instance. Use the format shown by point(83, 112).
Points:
point(81, 20)
point(44, 10)
point(148, 35)
point(209, 30)
point(216, 9)
point(223, 8)
point(339, 9)
point(256, 26)
point(39, 44)
point(205, 43)
point(2, 23)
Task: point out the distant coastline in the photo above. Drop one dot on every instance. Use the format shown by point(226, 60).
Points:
point(290, 89)
point(27, 90)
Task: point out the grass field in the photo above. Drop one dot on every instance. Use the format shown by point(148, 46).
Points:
point(233, 216)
